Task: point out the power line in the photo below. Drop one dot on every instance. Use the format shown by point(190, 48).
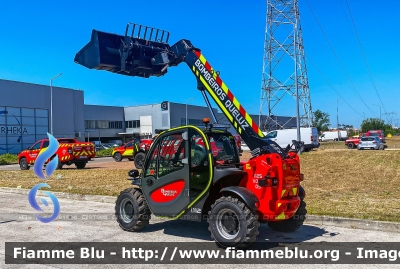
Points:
point(308, 58)
point(365, 58)
point(337, 58)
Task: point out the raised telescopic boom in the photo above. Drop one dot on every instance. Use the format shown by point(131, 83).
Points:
point(144, 51)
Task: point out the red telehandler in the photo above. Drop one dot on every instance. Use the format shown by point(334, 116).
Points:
point(182, 179)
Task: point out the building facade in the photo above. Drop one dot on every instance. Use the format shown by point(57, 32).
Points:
point(27, 114)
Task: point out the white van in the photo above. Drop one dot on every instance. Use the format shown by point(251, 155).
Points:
point(333, 135)
point(284, 137)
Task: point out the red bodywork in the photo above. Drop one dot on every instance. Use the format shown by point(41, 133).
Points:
point(378, 133)
point(69, 151)
point(145, 144)
point(280, 185)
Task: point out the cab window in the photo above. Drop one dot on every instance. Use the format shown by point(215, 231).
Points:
point(45, 144)
point(36, 146)
point(271, 135)
point(167, 156)
point(130, 144)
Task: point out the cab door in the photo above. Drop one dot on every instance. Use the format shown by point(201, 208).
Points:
point(165, 181)
point(128, 149)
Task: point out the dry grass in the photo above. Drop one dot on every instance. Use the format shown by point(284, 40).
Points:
point(352, 183)
point(346, 183)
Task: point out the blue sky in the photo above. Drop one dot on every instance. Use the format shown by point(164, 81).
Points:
point(39, 39)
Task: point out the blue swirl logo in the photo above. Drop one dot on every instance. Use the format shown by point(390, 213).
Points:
point(43, 156)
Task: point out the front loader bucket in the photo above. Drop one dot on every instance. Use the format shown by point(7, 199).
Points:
point(129, 55)
point(101, 53)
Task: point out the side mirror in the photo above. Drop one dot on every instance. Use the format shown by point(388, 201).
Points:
point(134, 173)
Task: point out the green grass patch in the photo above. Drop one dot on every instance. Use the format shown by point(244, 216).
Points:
point(8, 158)
point(104, 153)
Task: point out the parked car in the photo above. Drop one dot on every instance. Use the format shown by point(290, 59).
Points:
point(370, 142)
point(378, 133)
point(102, 147)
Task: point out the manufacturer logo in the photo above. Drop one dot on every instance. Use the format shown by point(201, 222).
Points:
point(168, 192)
point(164, 105)
point(38, 169)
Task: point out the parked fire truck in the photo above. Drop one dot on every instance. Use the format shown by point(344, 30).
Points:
point(70, 151)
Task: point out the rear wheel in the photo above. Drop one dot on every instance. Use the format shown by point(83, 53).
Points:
point(139, 160)
point(293, 223)
point(132, 210)
point(80, 165)
point(23, 164)
point(350, 145)
point(59, 165)
point(117, 157)
point(232, 223)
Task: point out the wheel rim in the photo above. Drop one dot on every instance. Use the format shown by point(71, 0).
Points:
point(23, 163)
point(117, 156)
point(126, 210)
point(228, 224)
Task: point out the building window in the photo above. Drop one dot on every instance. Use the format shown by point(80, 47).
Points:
point(132, 124)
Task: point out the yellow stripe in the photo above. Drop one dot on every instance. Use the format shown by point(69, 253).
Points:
point(249, 120)
point(236, 103)
point(279, 204)
point(235, 124)
point(294, 191)
point(202, 59)
point(216, 99)
point(224, 88)
point(283, 192)
point(240, 130)
point(281, 216)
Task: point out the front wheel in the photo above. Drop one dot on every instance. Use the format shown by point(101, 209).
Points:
point(132, 210)
point(23, 164)
point(117, 157)
point(350, 145)
point(232, 223)
point(139, 160)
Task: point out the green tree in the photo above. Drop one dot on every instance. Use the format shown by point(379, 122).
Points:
point(373, 124)
point(321, 121)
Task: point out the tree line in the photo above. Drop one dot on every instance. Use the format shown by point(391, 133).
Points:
point(322, 122)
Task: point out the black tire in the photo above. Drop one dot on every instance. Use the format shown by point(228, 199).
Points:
point(117, 157)
point(80, 165)
point(59, 165)
point(23, 164)
point(131, 210)
point(139, 160)
point(293, 223)
point(232, 223)
point(199, 156)
point(350, 145)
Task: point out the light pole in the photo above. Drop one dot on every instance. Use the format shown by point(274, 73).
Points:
point(186, 108)
point(380, 114)
point(337, 108)
point(51, 102)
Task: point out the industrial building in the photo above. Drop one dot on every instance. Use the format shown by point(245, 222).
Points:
point(28, 111)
